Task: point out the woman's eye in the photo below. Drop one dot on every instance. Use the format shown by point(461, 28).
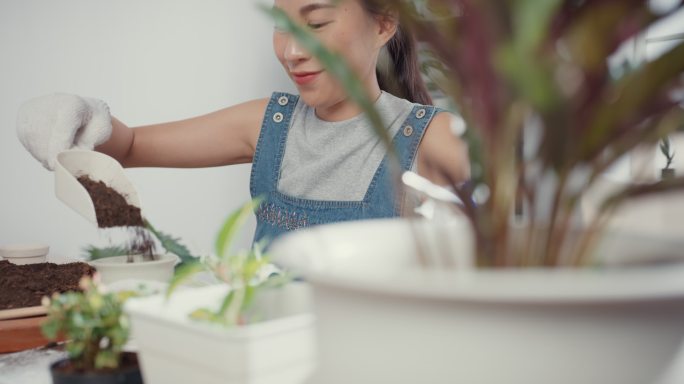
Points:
point(317, 25)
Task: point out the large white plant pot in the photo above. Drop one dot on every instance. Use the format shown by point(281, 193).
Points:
point(176, 349)
point(383, 319)
point(116, 268)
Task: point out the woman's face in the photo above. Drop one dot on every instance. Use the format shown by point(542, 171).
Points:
point(343, 27)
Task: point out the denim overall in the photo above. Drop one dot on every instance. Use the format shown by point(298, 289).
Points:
point(279, 213)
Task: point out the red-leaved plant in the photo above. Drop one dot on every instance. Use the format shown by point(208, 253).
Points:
point(532, 81)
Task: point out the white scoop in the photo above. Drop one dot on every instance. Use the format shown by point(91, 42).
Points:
point(97, 166)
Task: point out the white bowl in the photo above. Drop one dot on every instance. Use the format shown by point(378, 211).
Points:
point(112, 269)
point(24, 253)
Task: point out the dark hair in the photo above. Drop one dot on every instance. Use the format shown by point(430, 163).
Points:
point(403, 78)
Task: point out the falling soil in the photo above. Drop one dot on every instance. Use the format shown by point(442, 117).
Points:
point(112, 210)
point(25, 285)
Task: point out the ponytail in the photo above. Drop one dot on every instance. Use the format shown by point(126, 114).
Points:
point(403, 78)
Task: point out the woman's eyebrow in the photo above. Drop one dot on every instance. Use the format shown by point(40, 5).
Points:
point(305, 10)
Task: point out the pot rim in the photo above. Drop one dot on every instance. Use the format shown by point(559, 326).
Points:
point(567, 285)
point(116, 261)
point(172, 313)
point(570, 287)
point(24, 250)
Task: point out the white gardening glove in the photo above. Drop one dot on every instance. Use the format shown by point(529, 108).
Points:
point(48, 125)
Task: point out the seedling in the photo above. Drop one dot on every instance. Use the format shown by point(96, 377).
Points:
point(242, 270)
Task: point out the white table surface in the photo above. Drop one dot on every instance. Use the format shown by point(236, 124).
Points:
point(31, 367)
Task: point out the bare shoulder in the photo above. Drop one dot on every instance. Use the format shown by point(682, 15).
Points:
point(440, 122)
point(247, 118)
point(254, 107)
point(443, 156)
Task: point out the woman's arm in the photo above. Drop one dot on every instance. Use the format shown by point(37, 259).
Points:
point(442, 156)
point(227, 136)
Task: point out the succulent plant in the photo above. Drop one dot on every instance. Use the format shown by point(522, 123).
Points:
point(92, 321)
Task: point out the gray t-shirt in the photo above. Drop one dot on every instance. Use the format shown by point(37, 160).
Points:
point(335, 161)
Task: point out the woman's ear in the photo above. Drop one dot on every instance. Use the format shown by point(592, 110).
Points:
point(387, 27)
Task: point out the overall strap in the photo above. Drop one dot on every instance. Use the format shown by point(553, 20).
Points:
point(271, 144)
point(410, 134)
point(406, 143)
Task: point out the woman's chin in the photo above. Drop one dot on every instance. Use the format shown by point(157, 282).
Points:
point(310, 97)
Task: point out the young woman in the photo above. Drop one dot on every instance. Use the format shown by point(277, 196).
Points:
point(315, 158)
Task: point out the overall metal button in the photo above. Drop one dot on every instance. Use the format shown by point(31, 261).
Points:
point(408, 130)
point(278, 117)
point(420, 113)
point(283, 100)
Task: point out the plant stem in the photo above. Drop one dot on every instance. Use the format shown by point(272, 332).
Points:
point(550, 256)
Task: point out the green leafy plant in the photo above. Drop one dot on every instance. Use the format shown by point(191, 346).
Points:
point(531, 79)
point(92, 321)
point(92, 252)
point(170, 244)
point(242, 270)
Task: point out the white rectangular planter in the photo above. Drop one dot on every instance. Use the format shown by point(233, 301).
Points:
point(176, 349)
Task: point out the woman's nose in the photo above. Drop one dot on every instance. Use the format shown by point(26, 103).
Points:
point(294, 52)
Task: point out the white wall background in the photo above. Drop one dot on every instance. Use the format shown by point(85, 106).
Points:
point(151, 61)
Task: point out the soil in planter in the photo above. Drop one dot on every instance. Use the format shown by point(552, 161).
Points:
point(112, 210)
point(25, 285)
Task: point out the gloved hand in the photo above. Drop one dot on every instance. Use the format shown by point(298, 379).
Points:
point(48, 125)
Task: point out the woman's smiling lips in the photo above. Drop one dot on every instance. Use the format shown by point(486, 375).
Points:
point(303, 78)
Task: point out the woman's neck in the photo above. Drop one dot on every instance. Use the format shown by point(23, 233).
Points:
point(346, 108)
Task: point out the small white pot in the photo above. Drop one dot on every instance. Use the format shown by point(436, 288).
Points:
point(112, 269)
point(383, 319)
point(176, 349)
point(24, 253)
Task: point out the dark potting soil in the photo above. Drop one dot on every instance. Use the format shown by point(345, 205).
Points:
point(25, 285)
point(111, 209)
